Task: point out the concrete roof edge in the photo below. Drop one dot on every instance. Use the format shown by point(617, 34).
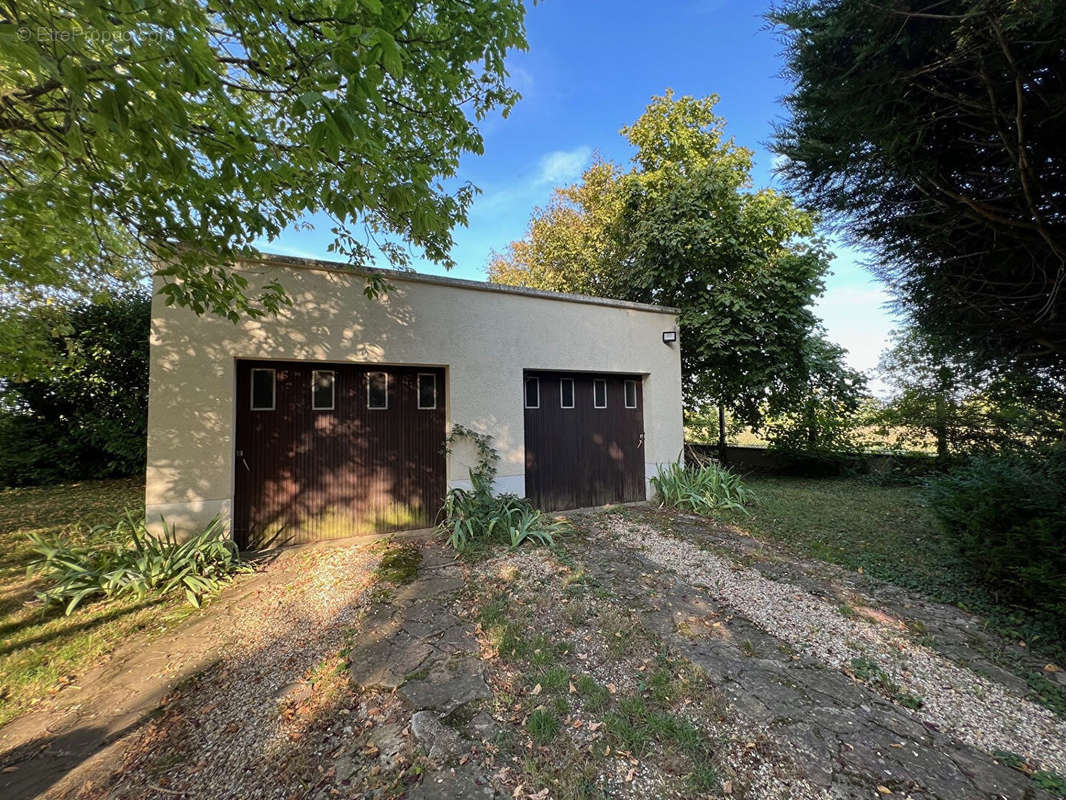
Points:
point(275, 259)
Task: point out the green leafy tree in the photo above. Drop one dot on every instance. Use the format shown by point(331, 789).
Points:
point(172, 135)
point(939, 396)
point(684, 227)
point(78, 407)
point(932, 133)
point(823, 413)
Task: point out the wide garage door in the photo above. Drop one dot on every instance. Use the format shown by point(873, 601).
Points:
point(325, 451)
point(584, 439)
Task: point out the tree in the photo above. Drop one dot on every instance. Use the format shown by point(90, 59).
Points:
point(932, 133)
point(939, 395)
point(822, 413)
point(175, 134)
point(79, 407)
point(684, 227)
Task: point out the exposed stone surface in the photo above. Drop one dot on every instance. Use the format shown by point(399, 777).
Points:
point(461, 784)
point(843, 734)
point(440, 742)
point(447, 686)
point(483, 726)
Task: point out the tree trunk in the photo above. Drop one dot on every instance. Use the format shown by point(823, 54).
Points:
point(723, 452)
point(812, 426)
point(940, 414)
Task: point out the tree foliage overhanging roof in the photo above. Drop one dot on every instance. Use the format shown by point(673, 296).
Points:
point(934, 133)
point(184, 131)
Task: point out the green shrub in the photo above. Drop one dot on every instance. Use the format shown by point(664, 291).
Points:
point(476, 516)
point(1008, 515)
point(703, 489)
point(74, 389)
point(122, 559)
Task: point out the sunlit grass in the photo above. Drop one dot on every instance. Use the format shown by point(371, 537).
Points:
point(40, 649)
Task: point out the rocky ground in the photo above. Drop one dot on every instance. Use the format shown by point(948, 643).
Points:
point(652, 655)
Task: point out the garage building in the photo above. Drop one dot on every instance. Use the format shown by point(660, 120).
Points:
point(330, 419)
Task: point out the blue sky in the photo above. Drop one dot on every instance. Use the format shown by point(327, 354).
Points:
point(591, 68)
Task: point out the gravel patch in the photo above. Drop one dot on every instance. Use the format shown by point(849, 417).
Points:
point(238, 718)
point(975, 710)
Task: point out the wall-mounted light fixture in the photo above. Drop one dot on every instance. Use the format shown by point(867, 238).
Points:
point(669, 337)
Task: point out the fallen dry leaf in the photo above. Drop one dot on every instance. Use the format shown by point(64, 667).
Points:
point(536, 690)
point(883, 789)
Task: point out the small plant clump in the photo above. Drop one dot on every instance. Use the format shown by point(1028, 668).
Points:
point(126, 559)
point(399, 563)
point(543, 726)
point(703, 489)
point(475, 517)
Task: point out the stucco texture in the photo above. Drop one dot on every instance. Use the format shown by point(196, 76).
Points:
point(484, 339)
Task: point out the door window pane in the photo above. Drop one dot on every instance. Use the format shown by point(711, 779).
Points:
point(322, 383)
point(532, 392)
point(377, 390)
point(599, 393)
point(566, 393)
point(631, 394)
point(427, 390)
point(262, 390)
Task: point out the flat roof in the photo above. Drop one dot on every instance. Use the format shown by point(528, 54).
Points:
point(276, 259)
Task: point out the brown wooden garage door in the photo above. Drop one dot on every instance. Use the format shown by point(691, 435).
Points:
point(325, 451)
point(584, 439)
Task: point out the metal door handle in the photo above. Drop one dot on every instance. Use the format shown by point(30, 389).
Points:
point(640, 440)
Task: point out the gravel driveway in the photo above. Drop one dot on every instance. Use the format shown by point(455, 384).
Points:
point(646, 658)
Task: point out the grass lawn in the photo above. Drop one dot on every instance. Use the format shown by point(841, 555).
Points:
point(41, 650)
point(889, 533)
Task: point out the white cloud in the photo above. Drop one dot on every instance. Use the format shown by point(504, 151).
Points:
point(562, 166)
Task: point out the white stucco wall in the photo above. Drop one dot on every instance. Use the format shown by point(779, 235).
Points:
point(484, 339)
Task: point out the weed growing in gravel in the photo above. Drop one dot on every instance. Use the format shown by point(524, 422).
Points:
point(542, 726)
point(553, 679)
point(869, 672)
point(593, 694)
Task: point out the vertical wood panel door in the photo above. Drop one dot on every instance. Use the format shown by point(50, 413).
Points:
point(584, 438)
point(325, 451)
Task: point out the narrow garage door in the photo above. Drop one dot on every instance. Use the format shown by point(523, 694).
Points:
point(584, 439)
point(325, 451)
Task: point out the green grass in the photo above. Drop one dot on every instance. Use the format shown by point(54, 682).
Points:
point(543, 726)
point(889, 533)
point(40, 648)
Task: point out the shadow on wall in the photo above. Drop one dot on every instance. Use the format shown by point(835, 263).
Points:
point(305, 474)
point(190, 444)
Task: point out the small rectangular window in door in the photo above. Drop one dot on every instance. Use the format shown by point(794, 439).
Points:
point(566, 392)
point(631, 394)
point(532, 392)
point(599, 393)
point(377, 390)
point(322, 383)
point(263, 390)
point(427, 390)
